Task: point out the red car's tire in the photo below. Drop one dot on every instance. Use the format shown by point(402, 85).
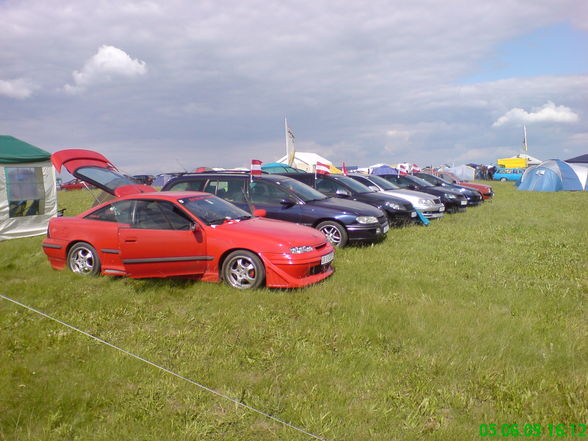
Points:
point(243, 270)
point(83, 259)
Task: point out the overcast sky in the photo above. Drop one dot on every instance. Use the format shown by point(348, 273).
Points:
point(169, 85)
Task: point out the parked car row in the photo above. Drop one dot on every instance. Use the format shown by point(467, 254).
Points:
point(277, 230)
point(486, 190)
point(287, 199)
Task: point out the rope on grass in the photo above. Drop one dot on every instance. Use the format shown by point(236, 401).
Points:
point(195, 383)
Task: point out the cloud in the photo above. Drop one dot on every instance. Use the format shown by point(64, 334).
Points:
point(548, 113)
point(364, 82)
point(108, 63)
point(18, 89)
point(579, 139)
point(481, 154)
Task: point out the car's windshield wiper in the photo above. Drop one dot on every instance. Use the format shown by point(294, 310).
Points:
point(244, 217)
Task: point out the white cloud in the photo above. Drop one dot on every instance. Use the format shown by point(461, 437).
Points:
point(548, 113)
point(368, 81)
point(109, 62)
point(18, 89)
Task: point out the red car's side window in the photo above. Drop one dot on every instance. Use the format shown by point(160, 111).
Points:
point(159, 215)
point(119, 212)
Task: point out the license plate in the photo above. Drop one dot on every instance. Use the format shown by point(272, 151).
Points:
point(386, 228)
point(464, 202)
point(327, 258)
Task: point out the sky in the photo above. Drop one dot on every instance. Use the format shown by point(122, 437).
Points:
point(163, 86)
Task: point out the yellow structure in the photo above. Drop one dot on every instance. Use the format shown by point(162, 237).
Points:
point(513, 162)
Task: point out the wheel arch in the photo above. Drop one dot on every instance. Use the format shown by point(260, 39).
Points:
point(224, 255)
point(328, 219)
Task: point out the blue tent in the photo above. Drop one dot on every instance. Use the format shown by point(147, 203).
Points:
point(554, 175)
point(278, 167)
point(384, 170)
point(582, 159)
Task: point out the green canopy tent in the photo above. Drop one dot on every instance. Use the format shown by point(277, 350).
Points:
point(28, 194)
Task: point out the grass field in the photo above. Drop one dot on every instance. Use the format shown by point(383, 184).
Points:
point(478, 319)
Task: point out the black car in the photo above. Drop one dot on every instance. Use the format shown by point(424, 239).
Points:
point(398, 210)
point(287, 199)
point(473, 196)
point(452, 199)
point(144, 179)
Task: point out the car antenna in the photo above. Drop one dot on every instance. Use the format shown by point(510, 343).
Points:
point(180, 164)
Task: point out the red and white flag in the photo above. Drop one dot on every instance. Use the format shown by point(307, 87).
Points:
point(255, 167)
point(403, 168)
point(322, 169)
point(415, 168)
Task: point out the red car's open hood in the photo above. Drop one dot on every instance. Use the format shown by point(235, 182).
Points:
point(95, 169)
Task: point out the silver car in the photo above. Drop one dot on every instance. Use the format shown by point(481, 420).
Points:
point(431, 206)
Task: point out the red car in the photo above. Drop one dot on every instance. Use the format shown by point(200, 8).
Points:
point(145, 233)
point(74, 184)
point(485, 190)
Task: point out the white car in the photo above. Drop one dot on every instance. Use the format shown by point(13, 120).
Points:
point(431, 206)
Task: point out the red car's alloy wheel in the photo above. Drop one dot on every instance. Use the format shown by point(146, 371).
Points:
point(243, 270)
point(83, 259)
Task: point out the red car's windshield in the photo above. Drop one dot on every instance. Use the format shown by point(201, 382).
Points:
point(213, 210)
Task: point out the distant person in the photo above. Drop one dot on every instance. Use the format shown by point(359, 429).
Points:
point(491, 171)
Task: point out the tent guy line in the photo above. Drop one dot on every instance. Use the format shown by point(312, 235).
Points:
point(195, 383)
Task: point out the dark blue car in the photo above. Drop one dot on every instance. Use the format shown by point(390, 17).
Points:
point(289, 200)
point(399, 211)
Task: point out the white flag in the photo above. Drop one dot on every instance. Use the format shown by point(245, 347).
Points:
point(290, 149)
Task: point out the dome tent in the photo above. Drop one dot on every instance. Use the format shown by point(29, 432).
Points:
point(28, 194)
point(383, 169)
point(554, 175)
point(279, 167)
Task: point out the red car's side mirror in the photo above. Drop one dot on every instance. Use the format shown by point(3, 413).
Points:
point(259, 213)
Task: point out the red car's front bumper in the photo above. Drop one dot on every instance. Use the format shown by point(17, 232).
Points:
point(283, 272)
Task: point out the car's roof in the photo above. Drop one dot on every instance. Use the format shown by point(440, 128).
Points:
point(166, 195)
point(243, 175)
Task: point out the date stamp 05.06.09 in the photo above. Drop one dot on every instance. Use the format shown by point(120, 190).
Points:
point(534, 430)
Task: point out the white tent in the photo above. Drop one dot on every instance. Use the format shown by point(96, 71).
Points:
point(28, 194)
point(464, 172)
point(530, 159)
point(306, 161)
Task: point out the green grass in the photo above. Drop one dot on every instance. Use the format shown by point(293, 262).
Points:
point(479, 318)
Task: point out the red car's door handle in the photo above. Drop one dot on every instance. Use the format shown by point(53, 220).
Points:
point(130, 239)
